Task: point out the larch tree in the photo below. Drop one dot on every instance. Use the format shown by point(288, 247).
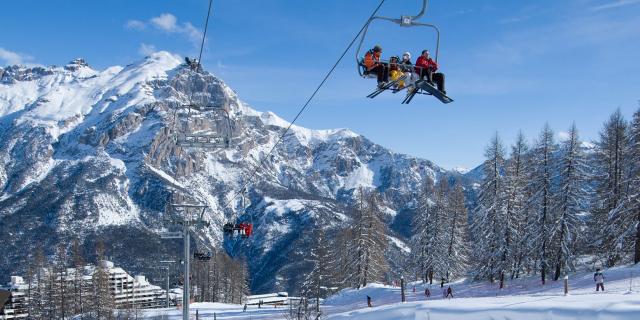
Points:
point(439, 226)
point(570, 201)
point(633, 214)
point(369, 243)
point(421, 221)
point(456, 232)
point(78, 281)
point(516, 213)
point(542, 185)
point(489, 211)
point(611, 153)
point(317, 281)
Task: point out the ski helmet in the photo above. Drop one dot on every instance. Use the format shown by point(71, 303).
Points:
point(377, 48)
point(406, 54)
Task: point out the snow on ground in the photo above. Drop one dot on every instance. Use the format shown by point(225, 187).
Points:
point(521, 299)
point(400, 244)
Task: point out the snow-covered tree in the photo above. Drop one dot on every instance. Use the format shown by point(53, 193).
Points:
point(623, 225)
point(421, 227)
point(611, 153)
point(541, 184)
point(369, 243)
point(340, 262)
point(570, 201)
point(430, 230)
point(317, 281)
point(516, 208)
point(489, 212)
point(456, 233)
point(634, 186)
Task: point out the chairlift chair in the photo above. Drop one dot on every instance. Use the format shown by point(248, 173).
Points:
point(221, 138)
point(243, 229)
point(404, 21)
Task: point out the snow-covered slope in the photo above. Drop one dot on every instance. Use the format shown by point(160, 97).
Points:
point(89, 154)
point(523, 299)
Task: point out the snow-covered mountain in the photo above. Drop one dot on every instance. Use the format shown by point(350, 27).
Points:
point(90, 154)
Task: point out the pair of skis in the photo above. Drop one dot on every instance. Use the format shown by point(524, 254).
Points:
point(420, 85)
point(387, 86)
point(423, 85)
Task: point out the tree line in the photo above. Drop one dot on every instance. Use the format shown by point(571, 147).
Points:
point(551, 202)
point(537, 211)
point(66, 285)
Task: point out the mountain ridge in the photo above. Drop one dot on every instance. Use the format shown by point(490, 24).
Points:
point(88, 154)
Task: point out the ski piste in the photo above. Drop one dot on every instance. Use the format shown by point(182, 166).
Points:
point(385, 87)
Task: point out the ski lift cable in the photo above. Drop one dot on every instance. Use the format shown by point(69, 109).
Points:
point(204, 34)
point(306, 104)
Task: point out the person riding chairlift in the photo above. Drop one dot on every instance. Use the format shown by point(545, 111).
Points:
point(426, 68)
point(373, 65)
point(394, 69)
point(407, 67)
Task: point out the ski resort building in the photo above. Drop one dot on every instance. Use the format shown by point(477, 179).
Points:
point(132, 292)
point(125, 291)
point(13, 299)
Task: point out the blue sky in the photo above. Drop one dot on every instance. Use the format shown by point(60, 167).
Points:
point(510, 65)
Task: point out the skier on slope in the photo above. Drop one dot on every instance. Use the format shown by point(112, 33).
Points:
point(369, 304)
point(449, 293)
point(598, 277)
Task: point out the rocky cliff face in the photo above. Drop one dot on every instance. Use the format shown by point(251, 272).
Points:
point(91, 155)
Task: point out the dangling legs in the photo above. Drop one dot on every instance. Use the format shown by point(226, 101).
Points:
point(438, 77)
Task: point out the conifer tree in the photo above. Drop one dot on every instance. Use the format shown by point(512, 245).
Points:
point(633, 208)
point(489, 211)
point(78, 281)
point(611, 153)
point(457, 228)
point(542, 196)
point(316, 283)
point(516, 209)
point(570, 202)
point(422, 228)
point(369, 243)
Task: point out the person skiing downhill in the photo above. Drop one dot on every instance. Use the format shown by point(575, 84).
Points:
point(369, 304)
point(449, 293)
point(598, 277)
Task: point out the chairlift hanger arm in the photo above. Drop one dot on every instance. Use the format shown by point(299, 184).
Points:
point(404, 21)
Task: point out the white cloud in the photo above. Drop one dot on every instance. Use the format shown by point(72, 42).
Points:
point(563, 136)
point(168, 23)
point(11, 58)
point(136, 25)
point(615, 4)
point(146, 49)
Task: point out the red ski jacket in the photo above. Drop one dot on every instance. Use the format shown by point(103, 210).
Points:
point(425, 63)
